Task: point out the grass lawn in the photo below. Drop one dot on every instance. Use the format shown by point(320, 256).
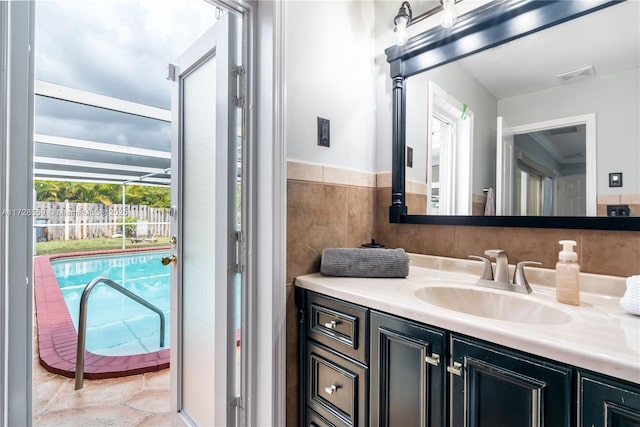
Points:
point(66, 246)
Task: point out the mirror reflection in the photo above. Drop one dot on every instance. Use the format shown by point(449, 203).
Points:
point(532, 127)
point(550, 172)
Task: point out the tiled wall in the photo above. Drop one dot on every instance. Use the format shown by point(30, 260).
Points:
point(329, 207)
point(631, 200)
point(326, 207)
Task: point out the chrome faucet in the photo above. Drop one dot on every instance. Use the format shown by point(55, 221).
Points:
point(500, 279)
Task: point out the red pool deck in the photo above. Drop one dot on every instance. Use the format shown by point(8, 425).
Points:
point(57, 337)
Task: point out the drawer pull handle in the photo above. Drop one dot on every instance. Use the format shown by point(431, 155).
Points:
point(456, 369)
point(434, 359)
point(331, 325)
point(332, 389)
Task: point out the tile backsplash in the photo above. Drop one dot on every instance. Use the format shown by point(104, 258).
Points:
point(329, 207)
point(323, 211)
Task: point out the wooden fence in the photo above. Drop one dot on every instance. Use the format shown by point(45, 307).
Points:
point(71, 221)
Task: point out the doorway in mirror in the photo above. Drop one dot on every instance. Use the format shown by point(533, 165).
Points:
point(547, 168)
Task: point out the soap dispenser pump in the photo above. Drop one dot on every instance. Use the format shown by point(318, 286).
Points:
point(567, 274)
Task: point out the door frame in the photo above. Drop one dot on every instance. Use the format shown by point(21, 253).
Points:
point(268, 237)
point(264, 318)
point(16, 204)
point(589, 120)
point(264, 41)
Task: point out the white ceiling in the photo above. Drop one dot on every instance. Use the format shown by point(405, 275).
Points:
point(608, 40)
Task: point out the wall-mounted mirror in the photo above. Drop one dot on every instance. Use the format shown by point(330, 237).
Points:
point(530, 127)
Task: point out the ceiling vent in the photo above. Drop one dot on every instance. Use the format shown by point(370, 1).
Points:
point(579, 74)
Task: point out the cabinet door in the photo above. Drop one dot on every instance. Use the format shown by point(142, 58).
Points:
point(605, 402)
point(496, 387)
point(407, 373)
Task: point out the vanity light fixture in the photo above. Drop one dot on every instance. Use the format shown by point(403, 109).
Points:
point(405, 18)
point(449, 14)
point(401, 22)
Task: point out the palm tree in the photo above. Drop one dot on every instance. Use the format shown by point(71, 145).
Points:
point(107, 194)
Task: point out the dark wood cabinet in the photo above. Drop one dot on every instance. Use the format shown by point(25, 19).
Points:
point(607, 402)
point(407, 373)
point(337, 387)
point(359, 367)
point(496, 387)
point(315, 420)
point(339, 325)
point(334, 349)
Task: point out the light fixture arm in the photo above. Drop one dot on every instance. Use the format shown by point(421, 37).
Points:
point(405, 18)
point(404, 12)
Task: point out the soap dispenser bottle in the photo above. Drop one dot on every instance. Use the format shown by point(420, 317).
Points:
point(567, 274)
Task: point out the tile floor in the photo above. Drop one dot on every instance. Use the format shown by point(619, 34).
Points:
point(138, 400)
point(133, 401)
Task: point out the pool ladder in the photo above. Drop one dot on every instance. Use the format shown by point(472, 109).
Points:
point(82, 320)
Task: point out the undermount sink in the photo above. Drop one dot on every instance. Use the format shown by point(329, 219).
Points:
point(492, 305)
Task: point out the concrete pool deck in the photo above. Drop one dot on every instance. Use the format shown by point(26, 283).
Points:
point(57, 337)
point(136, 401)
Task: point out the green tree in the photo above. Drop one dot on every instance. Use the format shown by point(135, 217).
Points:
point(108, 194)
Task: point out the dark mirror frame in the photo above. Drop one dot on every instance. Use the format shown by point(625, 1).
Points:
point(496, 23)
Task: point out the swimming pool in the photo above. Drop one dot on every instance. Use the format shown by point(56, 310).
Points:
point(56, 325)
point(117, 325)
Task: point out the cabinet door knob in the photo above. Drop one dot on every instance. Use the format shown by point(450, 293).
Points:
point(331, 325)
point(456, 369)
point(332, 389)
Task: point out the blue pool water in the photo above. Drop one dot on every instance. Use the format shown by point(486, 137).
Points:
point(117, 325)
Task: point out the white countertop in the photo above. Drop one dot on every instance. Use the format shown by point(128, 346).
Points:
point(600, 336)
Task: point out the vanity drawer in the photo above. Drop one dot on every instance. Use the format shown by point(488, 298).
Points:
point(339, 325)
point(337, 387)
point(315, 420)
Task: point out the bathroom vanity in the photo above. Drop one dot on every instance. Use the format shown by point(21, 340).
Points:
point(435, 349)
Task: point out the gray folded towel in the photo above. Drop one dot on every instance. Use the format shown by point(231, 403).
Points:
point(346, 262)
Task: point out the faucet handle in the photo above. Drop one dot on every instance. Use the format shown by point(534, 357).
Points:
point(495, 253)
point(488, 272)
point(518, 276)
point(502, 264)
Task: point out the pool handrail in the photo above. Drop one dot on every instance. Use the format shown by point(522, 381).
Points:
point(82, 320)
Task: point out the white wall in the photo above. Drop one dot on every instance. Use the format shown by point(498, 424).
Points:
point(458, 83)
point(329, 66)
point(335, 68)
point(385, 11)
point(614, 100)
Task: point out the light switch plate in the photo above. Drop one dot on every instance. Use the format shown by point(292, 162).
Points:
point(615, 179)
point(323, 132)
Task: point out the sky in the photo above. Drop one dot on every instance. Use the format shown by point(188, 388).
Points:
point(118, 48)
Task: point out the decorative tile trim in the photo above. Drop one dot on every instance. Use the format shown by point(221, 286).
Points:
point(630, 199)
point(314, 172)
point(334, 175)
point(301, 171)
point(416, 187)
point(608, 199)
point(383, 180)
